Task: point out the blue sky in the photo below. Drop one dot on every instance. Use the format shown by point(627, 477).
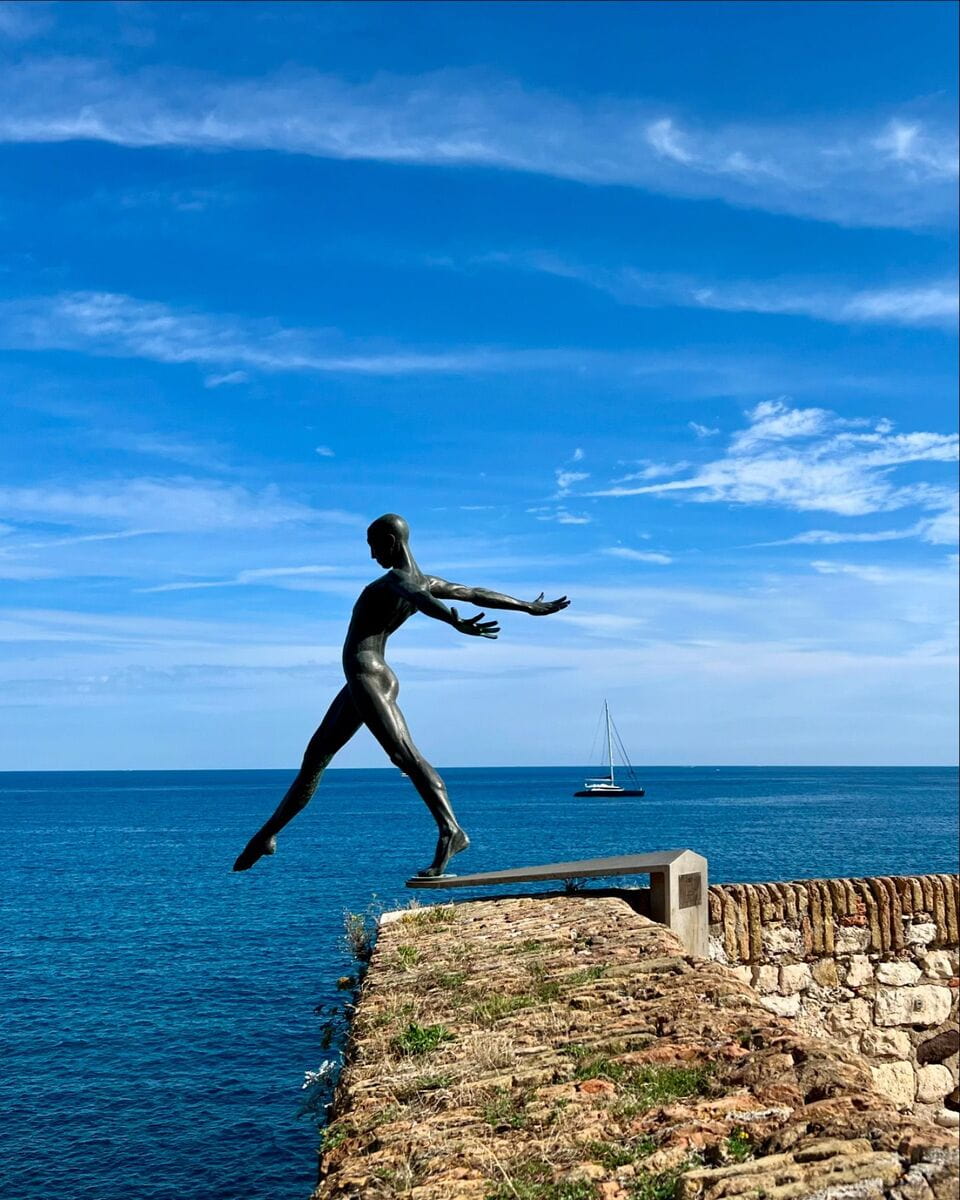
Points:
point(653, 305)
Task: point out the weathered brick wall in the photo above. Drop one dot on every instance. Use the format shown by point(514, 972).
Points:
point(871, 962)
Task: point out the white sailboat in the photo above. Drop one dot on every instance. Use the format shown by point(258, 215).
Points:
point(607, 785)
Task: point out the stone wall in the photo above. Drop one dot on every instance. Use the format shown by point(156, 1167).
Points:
point(556, 1047)
point(871, 962)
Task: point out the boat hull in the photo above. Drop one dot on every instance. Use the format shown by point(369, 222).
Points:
point(613, 793)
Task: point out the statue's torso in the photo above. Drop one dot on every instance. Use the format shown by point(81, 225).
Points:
point(379, 611)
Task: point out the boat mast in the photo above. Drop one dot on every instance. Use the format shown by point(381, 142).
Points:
point(606, 710)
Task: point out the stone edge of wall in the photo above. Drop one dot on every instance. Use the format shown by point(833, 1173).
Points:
point(896, 913)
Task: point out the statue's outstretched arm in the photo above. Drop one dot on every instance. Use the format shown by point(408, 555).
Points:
point(422, 598)
point(484, 598)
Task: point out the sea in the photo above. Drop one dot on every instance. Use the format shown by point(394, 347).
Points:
point(159, 1012)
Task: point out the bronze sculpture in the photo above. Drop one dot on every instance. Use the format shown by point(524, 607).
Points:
point(370, 695)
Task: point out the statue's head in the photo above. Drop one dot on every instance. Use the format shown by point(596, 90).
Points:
point(387, 538)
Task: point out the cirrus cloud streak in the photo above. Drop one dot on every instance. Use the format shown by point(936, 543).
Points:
point(884, 169)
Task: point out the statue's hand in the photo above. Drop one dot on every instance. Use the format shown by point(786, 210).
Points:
point(475, 626)
point(543, 608)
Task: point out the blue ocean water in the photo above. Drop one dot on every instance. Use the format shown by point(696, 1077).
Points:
point(157, 1011)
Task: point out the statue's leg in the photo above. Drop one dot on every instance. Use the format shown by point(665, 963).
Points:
point(336, 729)
point(375, 695)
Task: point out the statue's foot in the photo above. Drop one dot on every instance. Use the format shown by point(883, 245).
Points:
point(254, 850)
point(448, 844)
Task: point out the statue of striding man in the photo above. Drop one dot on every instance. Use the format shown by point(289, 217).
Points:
point(370, 695)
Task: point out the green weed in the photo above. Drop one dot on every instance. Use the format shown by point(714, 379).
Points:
point(360, 934)
point(738, 1147)
point(492, 1008)
point(447, 980)
point(431, 1083)
point(618, 1154)
point(661, 1185)
point(408, 956)
point(435, 914)
point(652, 1086)
point(421, 1039)
point(527, 947)
point(505, 1111)
point(533, 1180)
point(587, 975)
point(643, 1087)
point(335, 1135)
point(593, 1064)
point(390, 1015)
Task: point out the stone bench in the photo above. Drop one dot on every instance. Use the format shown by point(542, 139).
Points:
point(678, 886)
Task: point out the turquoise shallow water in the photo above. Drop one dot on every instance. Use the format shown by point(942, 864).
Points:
point(158, 1010)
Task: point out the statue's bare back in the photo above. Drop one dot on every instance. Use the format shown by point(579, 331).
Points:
point(370, 695)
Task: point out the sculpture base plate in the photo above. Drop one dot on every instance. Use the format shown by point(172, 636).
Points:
point(592, 868)
point(678, 886)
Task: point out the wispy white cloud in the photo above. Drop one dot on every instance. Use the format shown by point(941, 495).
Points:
point(226, 379)
point(21, 572)
point(112, 325)
point(909, 143)
point(566, 479)
point(776, 421)
point(169, 505)
point(928, 303)
point(942, 529)
point(642, 556)
point(253, 577)
point(559, 514)
point(324, 451)
point(184, 200)
point(827, 537)
point(163, 446)
point(702, 431)
point(891, 170)
point(653, 470)
point(868, 574)
point(665, 139)
point(811, 460)
point(77, 539)
point(922, 303)
point(569, 474)
point(885, 576)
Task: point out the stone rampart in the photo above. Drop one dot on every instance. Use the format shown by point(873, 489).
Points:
point(565, 1048)
point(871, 962)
